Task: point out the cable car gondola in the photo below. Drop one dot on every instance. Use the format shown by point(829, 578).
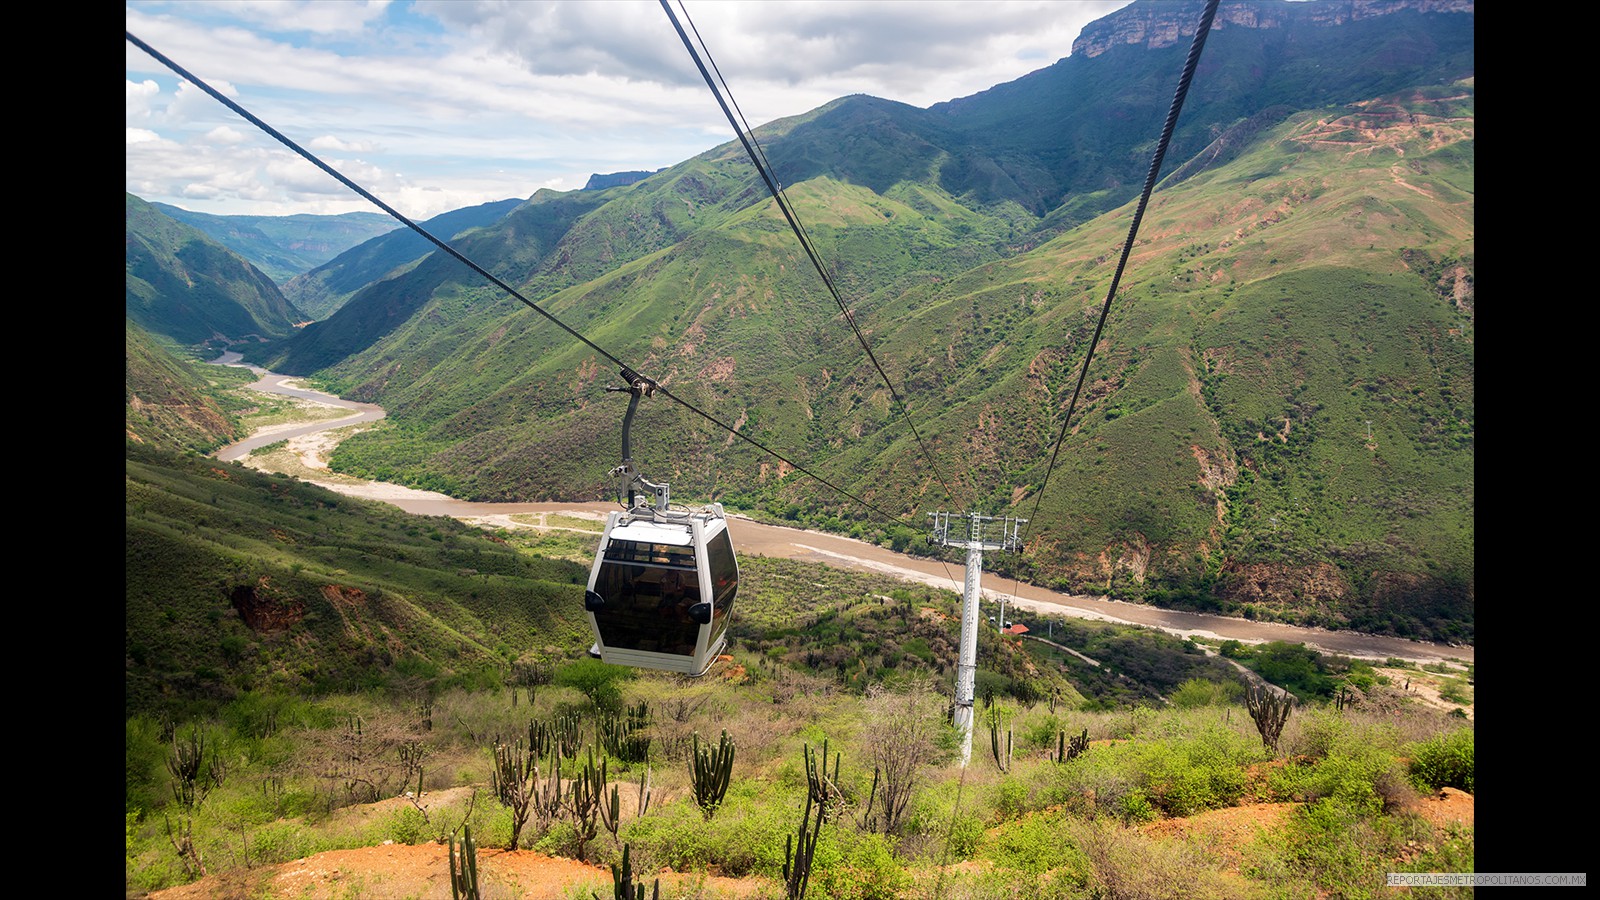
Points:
point(661, 591)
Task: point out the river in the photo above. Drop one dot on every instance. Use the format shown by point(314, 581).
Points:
point(759, 539)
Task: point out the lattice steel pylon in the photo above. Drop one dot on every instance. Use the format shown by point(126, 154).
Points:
point(981, 533)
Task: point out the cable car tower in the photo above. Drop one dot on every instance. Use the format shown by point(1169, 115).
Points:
point(979, 534)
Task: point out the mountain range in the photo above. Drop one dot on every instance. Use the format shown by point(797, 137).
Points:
point(1277, 420)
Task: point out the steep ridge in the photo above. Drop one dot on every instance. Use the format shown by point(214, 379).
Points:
point(182, 284)
point(1279, 421)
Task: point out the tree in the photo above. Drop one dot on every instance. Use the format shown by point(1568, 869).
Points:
point(904, 736)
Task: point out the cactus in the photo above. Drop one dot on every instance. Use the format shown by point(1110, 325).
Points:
point(548, 794)
point(622, 884)
point(1269, 708)
point(195, 769)
point(644, 792)
point(1003, 761)
point(625, 735)
point(797, 860)
point(514, 785)
point(464, 867)
point(1076, 748)
point(871, 822)
point(822, 788)
point(584, 802)
point(710, 770)
point(541, 737)
point(569, 734)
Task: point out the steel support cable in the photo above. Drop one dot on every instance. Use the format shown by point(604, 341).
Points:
point(758, 158)
point(1133, 230)
point(744, 128)
point(794, 225)
point(364, 193)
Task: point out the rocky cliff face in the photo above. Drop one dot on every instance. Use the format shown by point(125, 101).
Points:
point(1162, 23)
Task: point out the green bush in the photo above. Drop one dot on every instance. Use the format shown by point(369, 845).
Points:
point(596, 680)
point(1034, 846)
point(850, 865)
point(1011, 798)
point(1198, 692)
point(1135, 808)
point(1361, 780)
point(408, 826)
point(1343, 850)
point(283, 842)
point(1444, 761)
point(746, 836)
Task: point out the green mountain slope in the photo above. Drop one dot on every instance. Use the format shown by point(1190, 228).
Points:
point(285, 246)
point(239, 581)
point(169, 404)
point(321, 291)
point(185, 286)
point(1081, 131)
point(1297, 276)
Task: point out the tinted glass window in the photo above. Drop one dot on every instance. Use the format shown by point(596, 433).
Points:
point(724, 581)
point(647, 606)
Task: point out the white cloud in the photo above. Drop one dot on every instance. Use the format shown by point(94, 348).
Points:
point(313, 16)
point(140, 93)
point(224, 134)
point(485, 100)
point(329, 142)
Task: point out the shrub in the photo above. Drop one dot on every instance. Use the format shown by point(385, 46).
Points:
point(1034, 846)
point(1444, 761)
point(596, 680)
point(854, 866)
point(1122, 862)
point(1198, 692)
point(408, 826)
point(1135, 808)
point(1011, 798)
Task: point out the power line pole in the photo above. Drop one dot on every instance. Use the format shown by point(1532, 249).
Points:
point(980, 533)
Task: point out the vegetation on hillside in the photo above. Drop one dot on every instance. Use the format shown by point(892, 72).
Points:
point(1278, 422)
point(173, 403)
point(1344, 788)
point(185, 286)
point(283, 247)
point(291, 652)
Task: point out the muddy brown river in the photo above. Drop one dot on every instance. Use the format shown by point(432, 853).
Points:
point(758, 539)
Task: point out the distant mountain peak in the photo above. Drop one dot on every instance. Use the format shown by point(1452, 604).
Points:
point(616, 179)
point(1162, 23)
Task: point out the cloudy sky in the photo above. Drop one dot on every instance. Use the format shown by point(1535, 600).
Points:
point(434, 105)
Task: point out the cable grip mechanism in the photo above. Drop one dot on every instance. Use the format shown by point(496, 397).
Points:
point(630, 483)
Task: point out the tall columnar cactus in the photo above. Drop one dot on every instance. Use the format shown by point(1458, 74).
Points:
point(569, 734)
point(622, 883)
point(1269, 707)
point(626, 734)
point(584, 800)
point(822, 787)
point(549, 796)
point(797, 859)
point(1001, 759)
point(541, 737)
point(644, 792)
point(464, 867)
point(1071, 750)
point(710, 770)
point(513, 785)
point(196, 769)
